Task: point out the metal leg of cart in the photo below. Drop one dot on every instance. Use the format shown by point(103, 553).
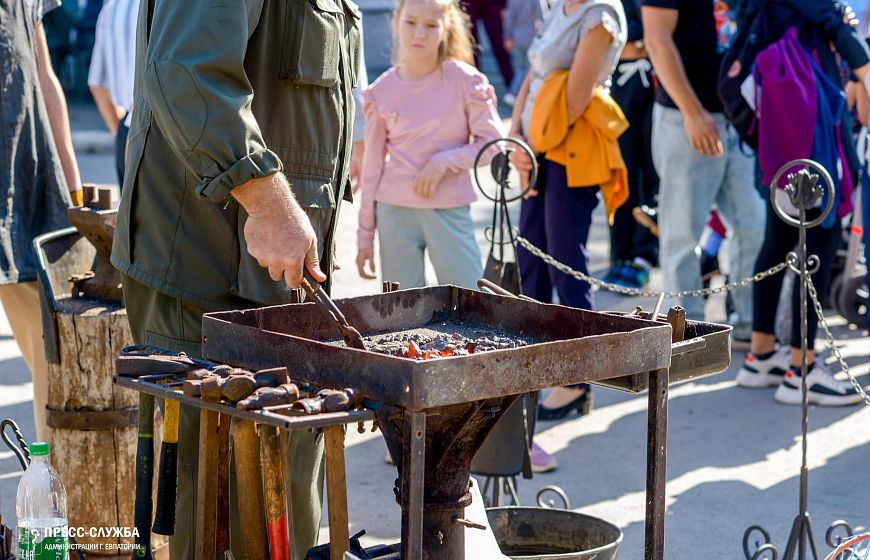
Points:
point(656, 463)
point(413, 469)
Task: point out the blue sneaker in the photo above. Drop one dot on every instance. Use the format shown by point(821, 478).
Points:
point(633, 276)
point(615, 272)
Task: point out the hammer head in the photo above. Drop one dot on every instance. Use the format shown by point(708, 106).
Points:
point(210, 388)
point(273, 377)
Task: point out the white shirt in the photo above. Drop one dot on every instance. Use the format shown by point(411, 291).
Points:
point(113, 60)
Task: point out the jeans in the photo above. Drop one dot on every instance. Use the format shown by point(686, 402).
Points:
point(521, 68)
point(447, 234)
point(689, 185)
point(557, 221)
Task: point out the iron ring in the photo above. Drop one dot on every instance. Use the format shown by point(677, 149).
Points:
point(829, 535)
point(813, 264)
point(828, 186)
point(533, 178)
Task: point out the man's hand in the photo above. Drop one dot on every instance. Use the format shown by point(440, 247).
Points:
point(356, 165)
point(366, 256)
point(703, 133)
point(277, 231)
point(427, 180)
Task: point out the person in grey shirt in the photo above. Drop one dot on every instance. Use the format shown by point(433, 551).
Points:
point(38, 175)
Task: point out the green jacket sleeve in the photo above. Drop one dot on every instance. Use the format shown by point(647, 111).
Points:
point(199, 94)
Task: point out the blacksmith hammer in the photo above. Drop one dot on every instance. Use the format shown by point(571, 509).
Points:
point(246, 448)
point(277, 520)
point(222, 529)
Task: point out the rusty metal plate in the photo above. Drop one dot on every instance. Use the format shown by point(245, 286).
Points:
point(713, 358)
point(579, 346)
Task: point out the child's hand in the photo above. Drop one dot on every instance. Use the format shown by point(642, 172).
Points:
point(427, 180)
point(366, 256)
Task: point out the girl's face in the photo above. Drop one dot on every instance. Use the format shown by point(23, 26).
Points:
point(421, 29)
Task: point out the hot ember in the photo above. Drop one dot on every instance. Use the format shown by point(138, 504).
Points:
point(424, 347)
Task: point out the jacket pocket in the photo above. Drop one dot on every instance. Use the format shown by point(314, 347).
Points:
point(311, 46)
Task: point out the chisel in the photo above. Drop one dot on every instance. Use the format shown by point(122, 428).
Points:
point(167, 478)
point(144, 474)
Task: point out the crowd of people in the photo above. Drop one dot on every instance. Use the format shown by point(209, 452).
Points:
point(640, 80)
point(237, 161)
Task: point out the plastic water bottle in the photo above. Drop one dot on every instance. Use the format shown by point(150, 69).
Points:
point(41, 508)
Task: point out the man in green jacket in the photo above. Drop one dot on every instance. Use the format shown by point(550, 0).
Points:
point(238, 158)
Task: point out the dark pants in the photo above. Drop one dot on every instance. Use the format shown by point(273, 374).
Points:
point(488, 12)
point(557, 221)
point(779, 239)
point(121, 151)
point(629, 239)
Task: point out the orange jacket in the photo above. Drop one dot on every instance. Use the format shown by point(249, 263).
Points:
point(587, 148)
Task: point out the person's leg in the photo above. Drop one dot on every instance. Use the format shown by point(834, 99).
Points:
point(449, 235)
point(742, 211)
point(159, 320)
point(21, 304)
point(121, 151)
point(646, 244)
point(823, 243)
point(779, 239)
point(472, 8)
point(622, 232)
point(402, 245)
point(534, 275)
point(521, 68)
point(491, 17)
point(689, 182)
point(568, 219)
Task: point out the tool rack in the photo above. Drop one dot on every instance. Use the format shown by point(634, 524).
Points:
point(281, 419)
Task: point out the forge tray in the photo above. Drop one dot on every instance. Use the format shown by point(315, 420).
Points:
point(579, 346)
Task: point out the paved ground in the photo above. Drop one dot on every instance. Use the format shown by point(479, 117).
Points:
point(733, 460)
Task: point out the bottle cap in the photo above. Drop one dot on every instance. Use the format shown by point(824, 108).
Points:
point(38, 448)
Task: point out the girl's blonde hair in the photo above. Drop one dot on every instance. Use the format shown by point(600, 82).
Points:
point(458, 45)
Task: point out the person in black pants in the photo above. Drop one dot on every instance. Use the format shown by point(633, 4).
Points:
point(633, 247)
point(820, 23)
point(489, 13)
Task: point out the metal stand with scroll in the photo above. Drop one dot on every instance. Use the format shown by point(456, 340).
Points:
point(498, 270)
point(805, 192)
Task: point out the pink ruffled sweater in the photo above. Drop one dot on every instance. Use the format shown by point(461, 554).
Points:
point(443, 118)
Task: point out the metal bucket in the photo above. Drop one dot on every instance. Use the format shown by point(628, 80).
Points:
point(533, 533)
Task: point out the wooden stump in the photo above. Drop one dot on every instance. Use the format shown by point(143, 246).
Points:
point(93, 424)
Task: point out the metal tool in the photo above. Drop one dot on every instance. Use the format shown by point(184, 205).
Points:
point(144, 474)
point(315, 291)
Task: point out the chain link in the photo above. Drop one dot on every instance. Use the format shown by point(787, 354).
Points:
point(830, 339)
point(647, 293)
point(709, 291)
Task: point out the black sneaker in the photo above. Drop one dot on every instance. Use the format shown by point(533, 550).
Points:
point(822, 388)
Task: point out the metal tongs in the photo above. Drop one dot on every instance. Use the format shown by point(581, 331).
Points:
point(352, 337)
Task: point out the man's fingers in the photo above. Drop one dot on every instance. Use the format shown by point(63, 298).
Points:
point(277, 274)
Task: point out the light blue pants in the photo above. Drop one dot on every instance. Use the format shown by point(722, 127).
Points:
point(690, 184)
point(405, 235)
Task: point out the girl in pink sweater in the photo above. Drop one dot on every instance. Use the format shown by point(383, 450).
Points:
point(427, 117)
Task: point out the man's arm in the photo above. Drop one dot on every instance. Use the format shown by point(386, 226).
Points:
point(659, 25)
point(55, 104)
point(200, 97)
point(110, 112)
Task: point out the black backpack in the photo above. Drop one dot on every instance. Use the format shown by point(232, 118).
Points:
point(753, 35)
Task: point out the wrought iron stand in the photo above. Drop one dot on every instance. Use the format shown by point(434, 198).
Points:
point(804, 192)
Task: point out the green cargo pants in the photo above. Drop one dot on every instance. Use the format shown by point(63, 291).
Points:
point(160, 320)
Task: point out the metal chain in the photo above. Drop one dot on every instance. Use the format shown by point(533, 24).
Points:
point(830, 339)
point(647, 293)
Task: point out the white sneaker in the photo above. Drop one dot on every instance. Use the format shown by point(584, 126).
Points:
point(509, 99)
point(541, 460)
point(758, 374)
point(822, 388)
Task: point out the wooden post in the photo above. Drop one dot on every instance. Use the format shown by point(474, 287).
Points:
point(93, 422)
point(246, 448)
